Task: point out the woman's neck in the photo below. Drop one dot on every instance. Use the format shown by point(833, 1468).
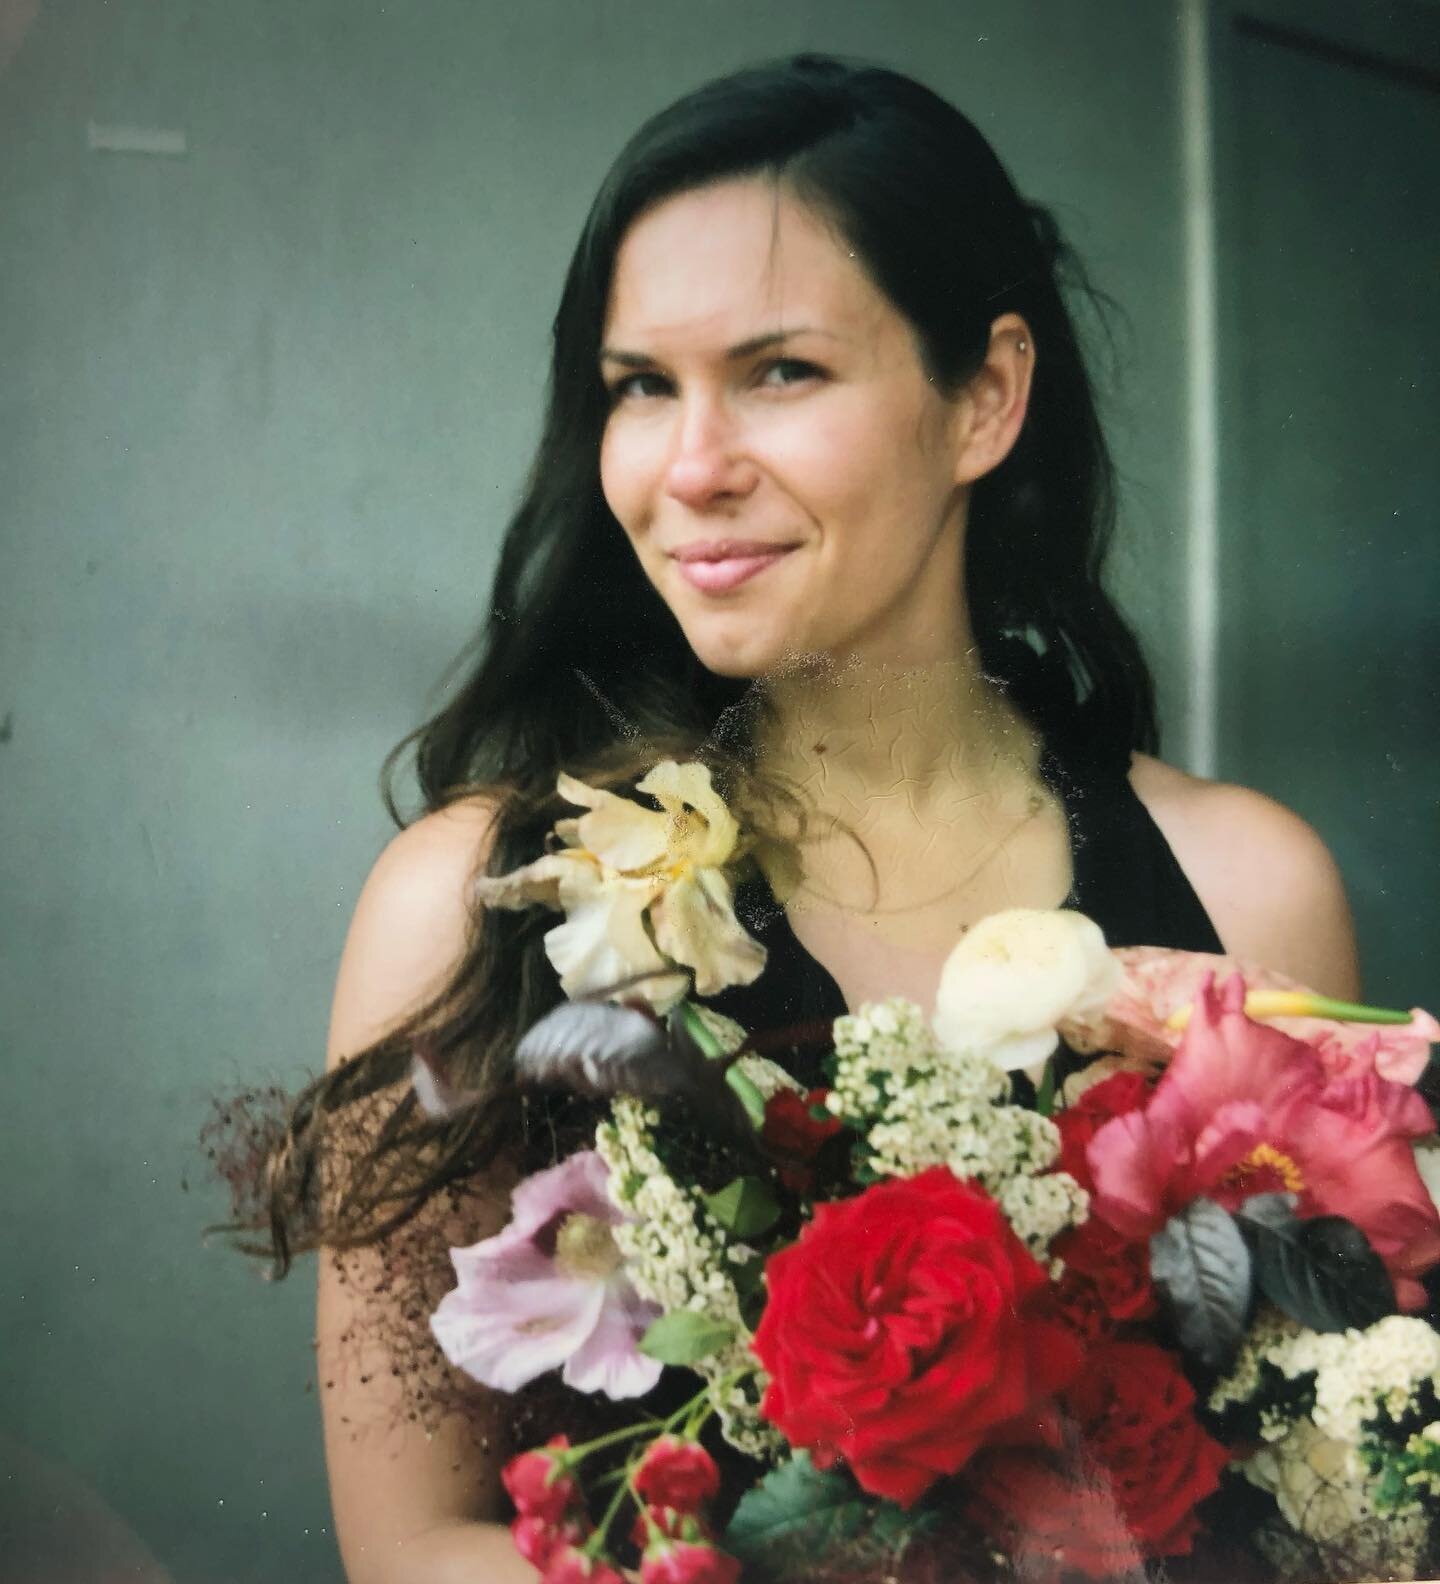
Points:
point(854, 735)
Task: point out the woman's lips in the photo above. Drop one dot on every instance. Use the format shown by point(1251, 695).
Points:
point(728, 572)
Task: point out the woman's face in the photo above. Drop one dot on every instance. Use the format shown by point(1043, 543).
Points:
point(790, 479)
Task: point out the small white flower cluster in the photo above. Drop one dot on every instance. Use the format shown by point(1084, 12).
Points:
point(1328, 1446)
point(1421, 1461)
point(1362, 1375)
point(677, 1255)
point(1270, 1334)
point(672, 1252)
point(919, 1106)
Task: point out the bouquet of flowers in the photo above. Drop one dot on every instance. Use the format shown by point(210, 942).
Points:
point(1121, 1256)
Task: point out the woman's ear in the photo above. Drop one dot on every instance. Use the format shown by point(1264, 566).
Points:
point(992, 406)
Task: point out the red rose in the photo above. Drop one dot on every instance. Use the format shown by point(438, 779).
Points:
point(681, 1563)
point(904, 1327)
point(791, 1129)
point(1136, 1413)
point(1138, 1466)
point(1079, 1123)
point(1106, 1281)
point(677, 1473)
point(1049, 1519)
point(537, 1484)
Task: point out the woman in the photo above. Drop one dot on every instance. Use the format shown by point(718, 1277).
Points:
point(821, 495)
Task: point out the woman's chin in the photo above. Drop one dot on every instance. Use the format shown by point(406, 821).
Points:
point(728, 663)
point(739, 648)
point(745, 656)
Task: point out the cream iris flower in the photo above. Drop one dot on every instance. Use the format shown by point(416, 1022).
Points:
point(644, 891)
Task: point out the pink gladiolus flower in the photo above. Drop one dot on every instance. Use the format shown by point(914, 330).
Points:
point(1159, 982)
point(1244, 1109)
point(550, 1292)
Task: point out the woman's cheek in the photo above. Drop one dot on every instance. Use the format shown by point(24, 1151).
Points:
point(623, 473)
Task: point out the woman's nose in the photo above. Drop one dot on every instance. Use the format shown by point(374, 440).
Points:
point(707, 462)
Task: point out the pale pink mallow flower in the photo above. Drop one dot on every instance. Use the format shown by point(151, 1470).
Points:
point(1158, 983)
point(550, 1292)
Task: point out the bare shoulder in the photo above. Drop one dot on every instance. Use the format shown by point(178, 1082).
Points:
point(411, 924)
point(1265, 877)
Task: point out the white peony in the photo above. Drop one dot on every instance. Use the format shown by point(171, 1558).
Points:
point(1014, 977)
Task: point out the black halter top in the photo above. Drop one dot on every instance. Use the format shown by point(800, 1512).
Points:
point(1124, 876)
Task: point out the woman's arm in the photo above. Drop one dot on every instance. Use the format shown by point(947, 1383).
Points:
point(1266, 879)
point(410, 1507)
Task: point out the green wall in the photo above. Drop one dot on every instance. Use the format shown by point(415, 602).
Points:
point(263, 409)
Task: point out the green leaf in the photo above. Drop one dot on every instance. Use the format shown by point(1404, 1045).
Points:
point(895, 1527)
point(683, 1337)
point(745, 1207)
point(1320, 1270)
point(749, 1278)
point(794, 1515)
point(798, 1516)
point(1200, 1262)
point(1045, 1093)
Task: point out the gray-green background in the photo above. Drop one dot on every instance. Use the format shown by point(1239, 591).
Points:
point(263, 411)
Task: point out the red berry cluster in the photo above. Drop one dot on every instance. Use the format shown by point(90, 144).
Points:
point(551, 1521)
point(675, 1479)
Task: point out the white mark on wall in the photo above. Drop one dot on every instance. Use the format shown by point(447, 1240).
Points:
point(136, 140)
point(1197, 142)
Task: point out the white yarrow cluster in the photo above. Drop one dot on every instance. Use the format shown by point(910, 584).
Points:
point(918, 1106)
point(1327, 1446)
point(1269, 1335)
point(1358, 1375)
point(1362, 1375)
point(672, 1252)
point(677, 1255)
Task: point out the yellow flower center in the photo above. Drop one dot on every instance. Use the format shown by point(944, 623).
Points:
point(1266, 1158)
point(585, 1247)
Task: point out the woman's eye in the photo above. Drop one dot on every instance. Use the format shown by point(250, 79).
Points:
point(625, 388)
point(779, 372)
point(791, 370)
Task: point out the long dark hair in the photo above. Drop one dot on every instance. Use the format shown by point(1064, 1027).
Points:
point(580, 666)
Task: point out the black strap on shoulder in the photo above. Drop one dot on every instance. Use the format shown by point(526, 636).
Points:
point(1124, 874)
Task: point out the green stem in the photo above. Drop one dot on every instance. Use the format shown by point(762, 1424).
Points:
point(705, 1405)
point(1351, 1012)
point(576, 1455)
point(748, 1095)
point(696, 1412)
point(696, 1028)
point(596, 1543)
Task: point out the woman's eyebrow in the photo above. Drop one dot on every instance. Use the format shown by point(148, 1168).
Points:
point(741, 349)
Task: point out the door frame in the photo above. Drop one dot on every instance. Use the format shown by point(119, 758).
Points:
point(1395, 38)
